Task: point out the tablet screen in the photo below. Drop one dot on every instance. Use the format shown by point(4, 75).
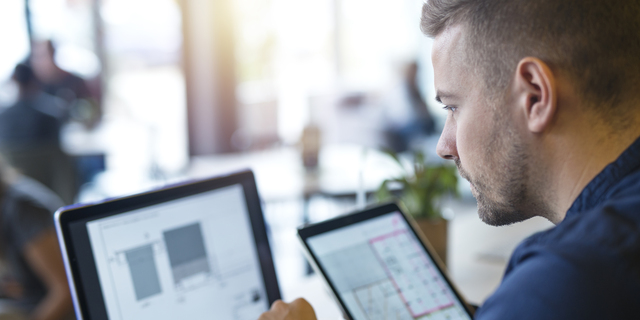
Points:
point(380, 270)
point(190, 258)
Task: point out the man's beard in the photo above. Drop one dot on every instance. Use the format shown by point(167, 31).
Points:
point(503, 189)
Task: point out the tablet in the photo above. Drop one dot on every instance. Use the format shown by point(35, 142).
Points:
point(197, 250)
point(378, 267)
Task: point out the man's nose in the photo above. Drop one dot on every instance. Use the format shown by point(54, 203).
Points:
point(447, 147)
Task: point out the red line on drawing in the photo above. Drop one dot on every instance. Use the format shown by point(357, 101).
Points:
point(421, 278)
point(438, 276)
point(386, 270)
point(388, 235)
point(394, 235)
point(395, 219)
point(433, 310)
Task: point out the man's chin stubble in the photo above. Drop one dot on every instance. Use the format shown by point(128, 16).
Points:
point(494, 216)
point(489, 211)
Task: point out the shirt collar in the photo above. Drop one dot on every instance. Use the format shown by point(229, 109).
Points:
point(598, 190)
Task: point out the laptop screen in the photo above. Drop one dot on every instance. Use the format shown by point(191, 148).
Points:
point(189, 258)
point(194, 251)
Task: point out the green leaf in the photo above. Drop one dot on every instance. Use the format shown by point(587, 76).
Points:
point(423, 187)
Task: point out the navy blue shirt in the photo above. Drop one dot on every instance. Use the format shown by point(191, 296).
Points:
point(588, 266)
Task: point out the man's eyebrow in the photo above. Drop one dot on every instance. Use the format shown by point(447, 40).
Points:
point(441, 94)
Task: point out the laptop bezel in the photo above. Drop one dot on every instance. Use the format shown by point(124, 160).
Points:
point(83, 279)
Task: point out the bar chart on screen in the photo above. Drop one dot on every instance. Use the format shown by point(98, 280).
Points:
point(144, 271)
point(178, 261)
point(187, 254)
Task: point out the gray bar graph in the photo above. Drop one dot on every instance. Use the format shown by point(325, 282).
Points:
point(144, 272)
point(187, 253)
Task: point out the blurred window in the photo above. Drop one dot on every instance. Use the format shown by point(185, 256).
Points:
point(145, 92)
point(70, 25)
point(14, 40)
point(292, 54)
point(285, 52)
point(376, 37)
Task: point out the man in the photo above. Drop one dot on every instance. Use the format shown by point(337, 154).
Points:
point(544, 120)
point(30, 136)
point(80, 103)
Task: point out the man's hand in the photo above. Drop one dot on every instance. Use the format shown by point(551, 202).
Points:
point(299, 309)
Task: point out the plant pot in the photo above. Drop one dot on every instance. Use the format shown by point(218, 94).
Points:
point(436, 232)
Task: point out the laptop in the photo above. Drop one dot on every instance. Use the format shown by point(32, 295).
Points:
point(379, 267)
point(197, 250)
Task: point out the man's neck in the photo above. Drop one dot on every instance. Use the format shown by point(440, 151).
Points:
point(577, 158)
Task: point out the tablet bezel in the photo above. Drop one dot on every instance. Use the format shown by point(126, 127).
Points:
point(307, 231)
point(76, 249)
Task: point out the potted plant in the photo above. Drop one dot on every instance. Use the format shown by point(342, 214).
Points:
point(419, 190)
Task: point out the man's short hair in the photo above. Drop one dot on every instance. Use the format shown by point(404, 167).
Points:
point(594, 42)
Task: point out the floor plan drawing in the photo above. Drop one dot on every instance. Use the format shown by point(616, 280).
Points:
point(380, 301)
point(412, 275)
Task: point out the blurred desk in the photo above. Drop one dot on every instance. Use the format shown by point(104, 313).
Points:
point(87, 149)
point(279, 172)
point(342, 169)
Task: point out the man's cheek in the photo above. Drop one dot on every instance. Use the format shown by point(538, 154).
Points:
point(469, 146)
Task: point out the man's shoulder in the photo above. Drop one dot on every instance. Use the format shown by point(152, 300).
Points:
point(612, 227)
point(587, 266)
point(573, 271)
point(617, 217)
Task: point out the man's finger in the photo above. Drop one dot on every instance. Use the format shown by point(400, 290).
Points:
point(301, 303)
point(279, 306)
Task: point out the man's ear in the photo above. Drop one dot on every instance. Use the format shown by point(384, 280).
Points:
point(536, 90)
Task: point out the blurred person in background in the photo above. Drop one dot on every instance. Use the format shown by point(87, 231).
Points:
point(408, 117)
point(81, 104)
point(30, 135)
point(33, 284)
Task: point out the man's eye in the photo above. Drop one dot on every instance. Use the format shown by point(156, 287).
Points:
point(450, 108)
